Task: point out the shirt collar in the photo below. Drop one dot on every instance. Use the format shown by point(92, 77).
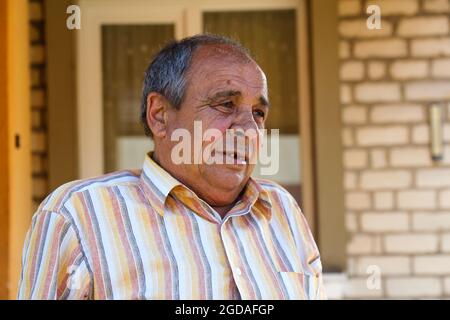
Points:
point(158, 184)
point(255, 195)
point(162, 181)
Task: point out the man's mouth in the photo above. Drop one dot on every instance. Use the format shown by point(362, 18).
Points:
point(234, 157)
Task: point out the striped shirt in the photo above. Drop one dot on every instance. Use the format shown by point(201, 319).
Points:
point(144, 235)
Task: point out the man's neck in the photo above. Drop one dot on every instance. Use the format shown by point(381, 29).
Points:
point(221, 210)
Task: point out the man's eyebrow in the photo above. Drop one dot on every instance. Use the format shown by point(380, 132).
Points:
point(226, 94)
point(264, 101)
point(236, 93)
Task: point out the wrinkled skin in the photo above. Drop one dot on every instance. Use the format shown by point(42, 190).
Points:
point(223, 92)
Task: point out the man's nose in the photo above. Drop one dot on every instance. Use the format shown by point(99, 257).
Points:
point(245, 122)
point(246, 135)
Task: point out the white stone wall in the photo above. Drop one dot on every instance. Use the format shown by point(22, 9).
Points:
point(397, 198)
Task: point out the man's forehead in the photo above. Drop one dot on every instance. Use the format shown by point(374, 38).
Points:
point(221, 52)
point(219, 72)
point(240, 85)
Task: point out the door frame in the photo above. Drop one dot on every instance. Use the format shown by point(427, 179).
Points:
point(329, 190)
point(15, 147)
point(89, 69)
point(4, 151)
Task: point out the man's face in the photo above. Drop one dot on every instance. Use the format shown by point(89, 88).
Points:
point(222, 93)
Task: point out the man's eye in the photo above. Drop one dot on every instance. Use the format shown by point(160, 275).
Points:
point(224, 106)
point(227, 104)
point(259, 113)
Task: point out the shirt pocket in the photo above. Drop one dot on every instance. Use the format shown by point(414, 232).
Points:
point(300, 286)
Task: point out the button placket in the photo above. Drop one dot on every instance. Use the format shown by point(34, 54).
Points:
point(235, 266)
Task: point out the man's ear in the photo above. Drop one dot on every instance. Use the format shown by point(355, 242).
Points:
point(157, 114)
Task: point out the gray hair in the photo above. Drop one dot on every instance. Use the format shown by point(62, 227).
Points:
point(167, 72)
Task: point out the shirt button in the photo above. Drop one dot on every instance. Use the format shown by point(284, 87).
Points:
point(238, 271)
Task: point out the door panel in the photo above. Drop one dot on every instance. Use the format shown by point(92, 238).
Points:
point(126, 52)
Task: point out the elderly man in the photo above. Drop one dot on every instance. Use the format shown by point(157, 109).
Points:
point(176, 230)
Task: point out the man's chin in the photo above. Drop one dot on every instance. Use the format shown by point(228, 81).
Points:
point(227, 177)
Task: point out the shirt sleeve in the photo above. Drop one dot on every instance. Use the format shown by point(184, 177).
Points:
point(53, 263)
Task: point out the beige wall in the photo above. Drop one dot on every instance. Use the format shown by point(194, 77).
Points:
point(397, 199)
